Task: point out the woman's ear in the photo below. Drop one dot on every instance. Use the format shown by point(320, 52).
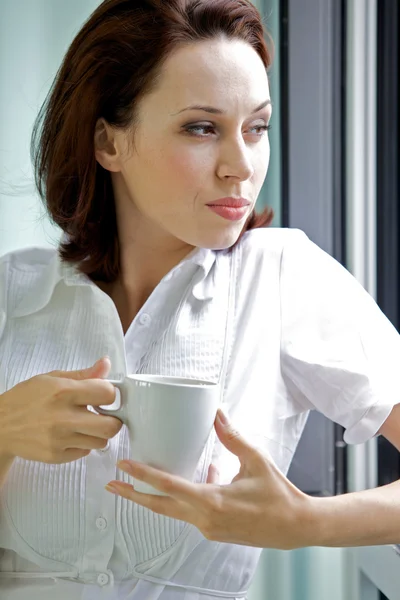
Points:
point(106, 151)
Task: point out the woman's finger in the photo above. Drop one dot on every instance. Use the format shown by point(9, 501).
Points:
point(172, 485)
point(232, 439)
point(163, 505)
point(85, 442)
point(213, 474)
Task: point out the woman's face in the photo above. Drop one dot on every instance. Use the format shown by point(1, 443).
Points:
point(183, 158)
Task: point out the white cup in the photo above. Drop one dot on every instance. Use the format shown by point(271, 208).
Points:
point(169, 421)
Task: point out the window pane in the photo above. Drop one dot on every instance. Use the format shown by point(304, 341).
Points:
point(271, 192)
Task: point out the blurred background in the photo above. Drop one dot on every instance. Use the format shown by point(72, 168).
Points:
point(334, 173)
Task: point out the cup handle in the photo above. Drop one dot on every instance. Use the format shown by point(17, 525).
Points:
point(120, 412)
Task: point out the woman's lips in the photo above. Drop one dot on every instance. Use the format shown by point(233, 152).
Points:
point(228, 212)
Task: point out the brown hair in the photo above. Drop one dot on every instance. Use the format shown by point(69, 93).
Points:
point(115, 60)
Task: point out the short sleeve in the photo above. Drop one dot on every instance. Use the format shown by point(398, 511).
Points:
point(340, 354)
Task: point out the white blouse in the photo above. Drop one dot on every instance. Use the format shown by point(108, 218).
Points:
point(282, 325)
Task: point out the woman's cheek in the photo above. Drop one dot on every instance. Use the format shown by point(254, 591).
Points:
point(192, 167)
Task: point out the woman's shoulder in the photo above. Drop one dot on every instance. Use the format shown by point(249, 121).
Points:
point(258, 259)
point(264, 247)
point(289, 257)
point(25, 272)
point(271, 239)
point(30, 258)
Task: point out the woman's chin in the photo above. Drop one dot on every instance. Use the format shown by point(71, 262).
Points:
point(221, 241)
point(213, 238)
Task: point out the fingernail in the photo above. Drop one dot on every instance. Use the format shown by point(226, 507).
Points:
point(222, 417)
point(124, 465)
point(111, 488)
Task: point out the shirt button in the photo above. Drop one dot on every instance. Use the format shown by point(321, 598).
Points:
point(103, 579)
point(101, 523)
point(145, 319)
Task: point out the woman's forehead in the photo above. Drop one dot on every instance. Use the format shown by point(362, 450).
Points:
point(220, 58)
point(202, 74)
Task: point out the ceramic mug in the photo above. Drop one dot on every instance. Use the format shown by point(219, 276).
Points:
point(169, 420)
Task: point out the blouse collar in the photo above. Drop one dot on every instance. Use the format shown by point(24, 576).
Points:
point(47, 276)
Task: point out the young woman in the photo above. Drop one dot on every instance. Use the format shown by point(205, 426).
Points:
point(150, 153)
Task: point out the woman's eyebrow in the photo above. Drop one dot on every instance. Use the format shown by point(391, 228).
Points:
point(218, 111)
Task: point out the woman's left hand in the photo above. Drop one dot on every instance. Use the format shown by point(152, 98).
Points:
point(260, 507)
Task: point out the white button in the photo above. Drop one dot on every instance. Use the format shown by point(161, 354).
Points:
point(106, 447)
point(145, 319)
point(101, 523)
point(103, 579)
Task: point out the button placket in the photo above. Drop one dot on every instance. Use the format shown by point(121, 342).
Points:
point(145, 319)
point(100, 513)
point(103, 579)
point(101, 523)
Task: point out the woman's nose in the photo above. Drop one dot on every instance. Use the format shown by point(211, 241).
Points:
point(235, 161)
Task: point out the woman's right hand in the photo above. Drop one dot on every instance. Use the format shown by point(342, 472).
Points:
point(46, 418)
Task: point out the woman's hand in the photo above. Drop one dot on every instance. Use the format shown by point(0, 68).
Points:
point(45, 418)
point(259, 508)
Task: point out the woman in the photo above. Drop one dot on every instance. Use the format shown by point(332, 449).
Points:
point(151, 154)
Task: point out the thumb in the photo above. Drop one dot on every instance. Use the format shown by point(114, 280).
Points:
point(230, 437)
point(99, 370)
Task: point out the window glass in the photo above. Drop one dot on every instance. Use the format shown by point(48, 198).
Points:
point(271, 192)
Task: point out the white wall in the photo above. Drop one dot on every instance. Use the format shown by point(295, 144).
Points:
point(34, 35)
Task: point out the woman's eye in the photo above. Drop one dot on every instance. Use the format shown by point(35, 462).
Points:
point(262, 128)
point(193, 129)
point(207, 129)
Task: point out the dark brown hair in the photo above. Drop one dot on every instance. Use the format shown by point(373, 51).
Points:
point(115, 60)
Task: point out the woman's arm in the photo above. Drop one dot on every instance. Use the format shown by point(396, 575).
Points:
point(5, 465)
point(367, 518)
point(6, 461)
point(364, 518)
point(262, 508)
